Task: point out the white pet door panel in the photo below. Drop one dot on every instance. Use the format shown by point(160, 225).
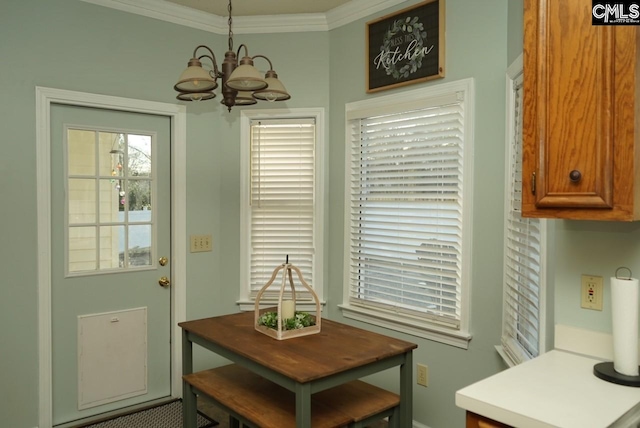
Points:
point(112, 357)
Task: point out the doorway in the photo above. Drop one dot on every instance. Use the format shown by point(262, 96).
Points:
point(49, 100)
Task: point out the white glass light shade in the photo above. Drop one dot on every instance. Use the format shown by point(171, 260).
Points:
point(245, 99)
point(275, 90)
point(246, 77)
point(195, 96)
point(195, 79)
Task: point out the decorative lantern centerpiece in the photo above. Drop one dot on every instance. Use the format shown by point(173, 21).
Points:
point(283, 321)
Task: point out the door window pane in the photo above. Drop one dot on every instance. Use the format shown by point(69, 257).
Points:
point(139, 154)
point(111, 247)
point(82, 200)
point(81, 152)
point(110, 198)
point(140, 245)
point(82, 248)
point(139, 198)
point(109, 186)
point(111, 153)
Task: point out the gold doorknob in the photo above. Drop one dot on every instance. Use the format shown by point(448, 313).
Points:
point(164, 281)
point(163, 261)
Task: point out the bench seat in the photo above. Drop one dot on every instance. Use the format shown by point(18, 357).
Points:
point(259, 403)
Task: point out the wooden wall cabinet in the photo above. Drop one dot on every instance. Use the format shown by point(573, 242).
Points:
point(580, 117)
point(477, 421)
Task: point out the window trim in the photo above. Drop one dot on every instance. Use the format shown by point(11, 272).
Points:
point(245, 300)
point(458, 338)
point(513, 71)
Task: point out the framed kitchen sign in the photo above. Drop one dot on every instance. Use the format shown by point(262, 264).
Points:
point(406, 47)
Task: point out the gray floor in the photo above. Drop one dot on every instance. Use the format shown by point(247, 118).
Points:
point(213, 412)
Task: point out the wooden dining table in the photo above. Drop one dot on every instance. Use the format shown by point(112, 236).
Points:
point(339, 353)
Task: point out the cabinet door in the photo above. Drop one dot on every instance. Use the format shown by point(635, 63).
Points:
point(477, 421)
point(578, 145)
point(569, 104)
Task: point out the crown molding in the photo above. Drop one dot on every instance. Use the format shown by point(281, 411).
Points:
point(266, 24)
point(357, 9)
point(171, 12)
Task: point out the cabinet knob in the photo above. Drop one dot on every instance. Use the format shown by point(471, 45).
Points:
point(575, 176)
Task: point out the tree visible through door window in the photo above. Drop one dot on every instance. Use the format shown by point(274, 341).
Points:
point(109, 191)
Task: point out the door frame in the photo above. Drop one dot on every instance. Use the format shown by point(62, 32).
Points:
point(45, 97)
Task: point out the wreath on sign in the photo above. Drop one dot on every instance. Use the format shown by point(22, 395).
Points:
point(405, 26)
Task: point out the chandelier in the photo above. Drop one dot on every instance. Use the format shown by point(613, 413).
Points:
point(242, 84)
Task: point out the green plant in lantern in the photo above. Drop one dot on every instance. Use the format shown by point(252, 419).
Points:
point(300, 320)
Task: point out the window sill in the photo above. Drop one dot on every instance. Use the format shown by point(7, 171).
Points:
point(458, 339)
point(505, 357)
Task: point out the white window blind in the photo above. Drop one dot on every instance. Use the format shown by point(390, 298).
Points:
point(523, 255)
point(282, 197)
point(405, 220)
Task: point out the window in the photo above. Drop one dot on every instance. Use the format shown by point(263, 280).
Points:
point(282, 199)
point(109, 195)
point(524, 247)
point(408, 211)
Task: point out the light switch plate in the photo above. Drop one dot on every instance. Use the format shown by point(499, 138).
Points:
point(423, 375)
point(201, 243)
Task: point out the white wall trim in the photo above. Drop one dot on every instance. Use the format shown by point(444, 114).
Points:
point(518, 355)
point(246, 116)
point(169, 12)
point(268, 24)
point(181, 15)
point(424, 329)
point(177, 113)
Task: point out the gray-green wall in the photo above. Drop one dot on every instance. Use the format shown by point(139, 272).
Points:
point(476, 46)
point(514, 26)
point(73, 45)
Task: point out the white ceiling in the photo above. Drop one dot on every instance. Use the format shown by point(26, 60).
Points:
point(261, 7)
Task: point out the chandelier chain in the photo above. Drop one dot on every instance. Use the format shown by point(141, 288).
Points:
point(230, 31)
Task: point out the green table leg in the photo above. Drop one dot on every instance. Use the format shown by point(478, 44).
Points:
point(303, 405)
point(406, 391)
point(189, 401)
point(189, 407)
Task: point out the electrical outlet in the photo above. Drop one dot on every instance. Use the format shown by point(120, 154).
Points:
point(423, 375)
point(200, 243)
point(591, 292)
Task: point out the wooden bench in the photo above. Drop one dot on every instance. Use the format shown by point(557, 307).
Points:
point(363, 402)
point(259, 403)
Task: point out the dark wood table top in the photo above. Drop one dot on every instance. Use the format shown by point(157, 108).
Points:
point(337, 348)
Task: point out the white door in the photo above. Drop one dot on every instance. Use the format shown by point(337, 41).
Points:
point(110, 222)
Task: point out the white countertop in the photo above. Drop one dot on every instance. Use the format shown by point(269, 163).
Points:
point(556, 389)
